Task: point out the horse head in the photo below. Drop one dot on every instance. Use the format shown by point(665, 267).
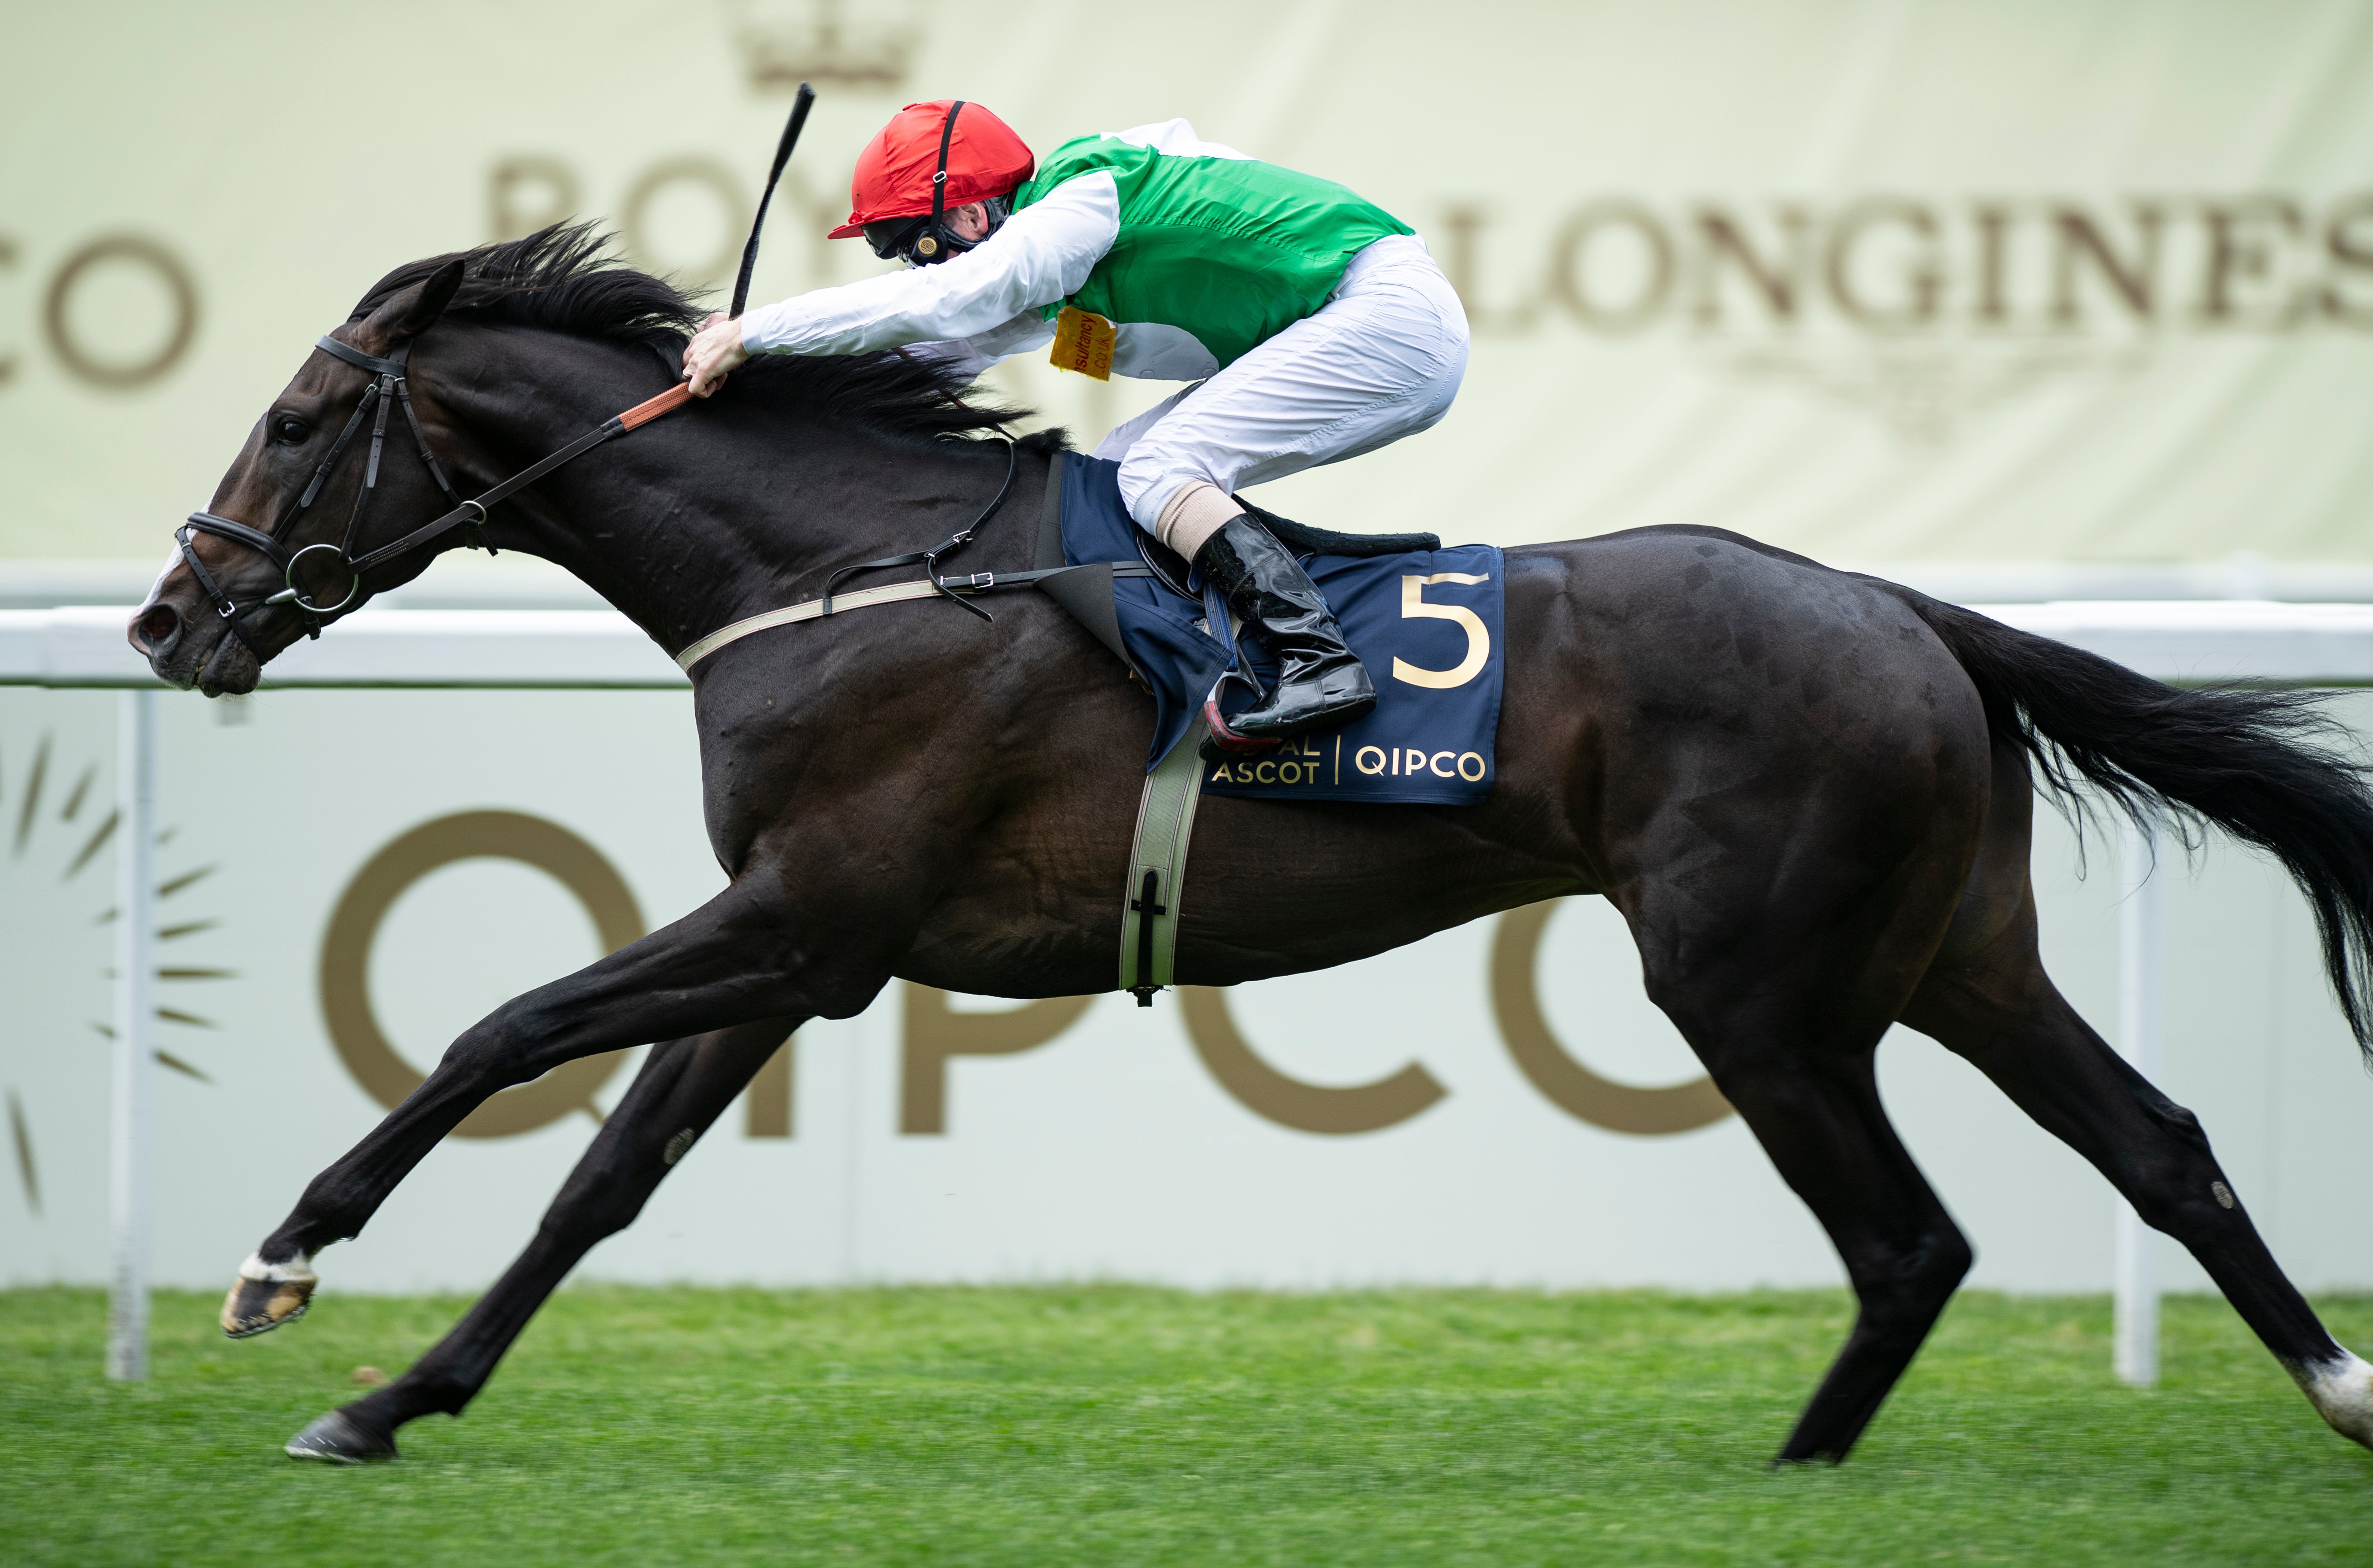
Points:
point(266, 562)
point(336, 494)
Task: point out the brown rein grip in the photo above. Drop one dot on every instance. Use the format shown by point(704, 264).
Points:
point(644, 412)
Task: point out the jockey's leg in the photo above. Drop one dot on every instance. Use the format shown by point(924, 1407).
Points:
point(1320, 681)
point(1121, 437)
point(1381, 360)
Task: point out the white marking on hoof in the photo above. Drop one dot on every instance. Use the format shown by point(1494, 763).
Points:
point(267, 1296)
point(297, 1270)
point(2342, 1392)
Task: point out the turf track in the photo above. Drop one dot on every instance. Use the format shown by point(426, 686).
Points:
point(1114, 1424)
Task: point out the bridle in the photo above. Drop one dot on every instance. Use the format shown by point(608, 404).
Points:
point(387, 388)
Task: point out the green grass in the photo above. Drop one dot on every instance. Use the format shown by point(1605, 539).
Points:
point(1115, 1424)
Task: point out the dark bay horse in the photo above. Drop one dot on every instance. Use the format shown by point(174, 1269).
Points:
point(1808, 792)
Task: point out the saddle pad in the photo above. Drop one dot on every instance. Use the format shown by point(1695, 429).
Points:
point(1427, 623)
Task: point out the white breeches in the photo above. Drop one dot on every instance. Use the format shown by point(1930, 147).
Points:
point(1380, 360)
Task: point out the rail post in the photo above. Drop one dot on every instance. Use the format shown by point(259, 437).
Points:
point(130, 1192)
point(2139, 1013)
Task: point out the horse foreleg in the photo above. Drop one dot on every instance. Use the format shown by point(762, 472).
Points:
point(1998, 1009)
point(734, 960)
point(684, 1086)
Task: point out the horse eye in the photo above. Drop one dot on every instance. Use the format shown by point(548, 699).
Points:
point(290, 430)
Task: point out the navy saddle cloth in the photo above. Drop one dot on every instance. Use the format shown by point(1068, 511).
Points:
point(1426, 622)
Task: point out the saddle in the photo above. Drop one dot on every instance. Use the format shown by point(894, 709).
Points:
point(1088, 595)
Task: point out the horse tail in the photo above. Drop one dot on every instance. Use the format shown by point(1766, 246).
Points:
point(2270, 767)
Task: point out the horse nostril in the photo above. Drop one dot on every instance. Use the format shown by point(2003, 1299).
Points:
point(154, 629)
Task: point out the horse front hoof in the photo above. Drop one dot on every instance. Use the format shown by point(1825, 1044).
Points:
point(336, 1440)
point(267, 1296)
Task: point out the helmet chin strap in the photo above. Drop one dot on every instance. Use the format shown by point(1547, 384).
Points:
point(936, 238)
point(927, 239)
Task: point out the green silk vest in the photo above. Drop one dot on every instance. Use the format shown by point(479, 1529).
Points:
point(1233, 250)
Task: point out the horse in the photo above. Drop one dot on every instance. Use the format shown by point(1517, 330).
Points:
point(1809, 792)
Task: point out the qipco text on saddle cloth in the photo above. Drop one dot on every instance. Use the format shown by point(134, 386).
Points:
point(1428, 626)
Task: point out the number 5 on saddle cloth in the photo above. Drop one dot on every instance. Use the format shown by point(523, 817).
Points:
point(1426, 621)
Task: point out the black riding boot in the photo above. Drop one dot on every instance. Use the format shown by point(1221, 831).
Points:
point(1320, 681)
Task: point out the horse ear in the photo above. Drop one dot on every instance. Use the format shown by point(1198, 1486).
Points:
point(420, 313)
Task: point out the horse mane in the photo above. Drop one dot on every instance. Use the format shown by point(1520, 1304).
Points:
point(563, 278)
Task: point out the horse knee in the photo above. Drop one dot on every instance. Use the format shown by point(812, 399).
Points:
point(495, 1051)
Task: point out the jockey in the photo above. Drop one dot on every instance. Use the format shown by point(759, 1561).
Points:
point(1312, 323)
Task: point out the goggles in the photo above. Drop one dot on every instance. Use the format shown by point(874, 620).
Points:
point(926, 239)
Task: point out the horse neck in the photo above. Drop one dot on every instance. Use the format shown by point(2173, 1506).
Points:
point(707, 515)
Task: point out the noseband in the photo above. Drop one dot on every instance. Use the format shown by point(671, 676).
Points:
point(387, 387)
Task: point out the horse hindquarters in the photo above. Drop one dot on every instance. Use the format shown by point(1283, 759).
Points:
point(2254, 762)
point(1781, 926)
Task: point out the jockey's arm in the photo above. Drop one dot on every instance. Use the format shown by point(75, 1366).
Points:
point(970, 356)
point(969, 304)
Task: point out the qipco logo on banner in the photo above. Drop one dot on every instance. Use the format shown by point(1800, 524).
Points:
point(1560, 1077)
point(363, 908)
point(933, 1033)
point(118, 312)
point(936, 1033)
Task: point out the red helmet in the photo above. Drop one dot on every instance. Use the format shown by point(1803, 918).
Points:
point(893, 172)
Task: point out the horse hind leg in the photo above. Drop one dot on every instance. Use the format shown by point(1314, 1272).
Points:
point(683, 1087)
point(1783, 959)
point(1996, 1007)
point(1786, 1009)
point(1817, 1115)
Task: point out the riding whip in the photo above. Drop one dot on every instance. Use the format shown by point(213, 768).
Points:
point(800, 107)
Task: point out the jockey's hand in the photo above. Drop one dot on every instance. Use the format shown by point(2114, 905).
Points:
point(715, 350)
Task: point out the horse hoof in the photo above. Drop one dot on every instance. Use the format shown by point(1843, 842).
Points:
point(267, 1296)
point(335, 1440)
point(2341, 1390)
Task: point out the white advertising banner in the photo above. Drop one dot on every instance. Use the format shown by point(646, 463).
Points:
point(1876, 280)
point(351, 878)
point(1879, 282)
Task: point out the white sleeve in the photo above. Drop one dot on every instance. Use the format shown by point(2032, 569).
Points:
point(976, 354)
point(1174, 138)
point(1037, 256)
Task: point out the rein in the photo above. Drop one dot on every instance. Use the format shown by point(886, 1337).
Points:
point(388, 387)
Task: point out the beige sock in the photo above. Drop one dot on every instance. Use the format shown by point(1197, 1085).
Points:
point(1193, 514)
